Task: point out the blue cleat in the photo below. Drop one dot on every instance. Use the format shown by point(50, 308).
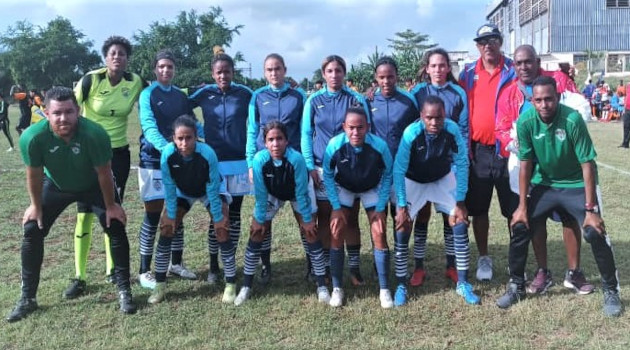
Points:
point(400, 297)
point(465, 289)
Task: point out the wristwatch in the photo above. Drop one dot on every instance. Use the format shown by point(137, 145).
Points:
point(591, 208)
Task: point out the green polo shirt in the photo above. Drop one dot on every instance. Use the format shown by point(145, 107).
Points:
point(110, 105)
point(69, 165)
point(558, 148)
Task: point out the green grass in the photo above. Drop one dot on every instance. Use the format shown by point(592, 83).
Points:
point(286, 314)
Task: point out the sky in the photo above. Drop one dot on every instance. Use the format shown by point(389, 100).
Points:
point(302, 31)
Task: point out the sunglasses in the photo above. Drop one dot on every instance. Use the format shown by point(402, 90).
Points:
point(491, 41)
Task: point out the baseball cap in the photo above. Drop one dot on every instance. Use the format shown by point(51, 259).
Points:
point(488, 30)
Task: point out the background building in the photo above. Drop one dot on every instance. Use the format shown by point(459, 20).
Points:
point(592, 34)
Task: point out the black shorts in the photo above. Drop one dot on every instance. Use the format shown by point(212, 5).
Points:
point(488, 171)
point(121, 162)
point(543, 200)
point(54, 201)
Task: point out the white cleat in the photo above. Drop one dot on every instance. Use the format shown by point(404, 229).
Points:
point(386, 299)
point(336, 300)
point(323, 296)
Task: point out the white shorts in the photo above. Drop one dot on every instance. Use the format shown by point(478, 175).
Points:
point(225, 198)
point(274, 204)
point(320, 193)
point(369, 198)
point(150, 184)
point(238, 185)
point(440, 192)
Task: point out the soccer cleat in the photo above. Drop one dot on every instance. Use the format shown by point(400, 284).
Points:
point(418, 277)
point(181, 271)
point(355, 277)
point(451, 274)
point(612, 303)
point(213, 277)
point(125, 301)
point(265, 275)
point(323, 296)
point(229, 293)
point(158, 294)
point(10, 149)
point(484, 268)
point(147, 280)
point(575, 280)
point(110, 278)
point(400, 297)
point(76, 288)
point(385, 297)
point(23, 308)
point(243, 295)
point(513, 295)
point(336, 300)
point(541, 283)
point(465, 290)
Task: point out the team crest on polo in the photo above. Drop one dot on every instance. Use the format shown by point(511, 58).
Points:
point(76, 148)
point(125, 91)
point(561, 135)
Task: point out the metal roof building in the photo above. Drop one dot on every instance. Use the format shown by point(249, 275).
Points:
point(567, 30)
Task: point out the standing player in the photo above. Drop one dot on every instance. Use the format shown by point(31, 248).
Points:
point(160, 104)
point(358, 165)
point(280, 175)
point(107, 96)
point(190, 173)
point(323, 118)
point(432, 166)
point(274, 102)
point(483, 80)
point(564, 178)
point(68, 160)
point(437, 80)
point(224, 106)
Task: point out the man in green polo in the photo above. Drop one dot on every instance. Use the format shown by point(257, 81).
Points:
point(68, 160)
point(563, 178)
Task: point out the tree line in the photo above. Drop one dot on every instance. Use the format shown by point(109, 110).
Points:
point(59, 54)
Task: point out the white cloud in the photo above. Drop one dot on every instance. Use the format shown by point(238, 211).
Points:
point(424, 8)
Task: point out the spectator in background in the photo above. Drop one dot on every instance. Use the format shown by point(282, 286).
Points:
point(626, 122)
point(564, 76)
point(350, 85)
point(596, 100)
point(318, 85)
point(616, 104)
point(4, 121)
point(588, 90)
point(621, 89)
point(19, 94)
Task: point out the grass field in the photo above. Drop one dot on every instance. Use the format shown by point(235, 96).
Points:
point(286, 314)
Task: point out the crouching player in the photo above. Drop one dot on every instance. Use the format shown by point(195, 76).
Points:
point(190, 173)
point(358, 165)
point(432, 166)
point(279, 174)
